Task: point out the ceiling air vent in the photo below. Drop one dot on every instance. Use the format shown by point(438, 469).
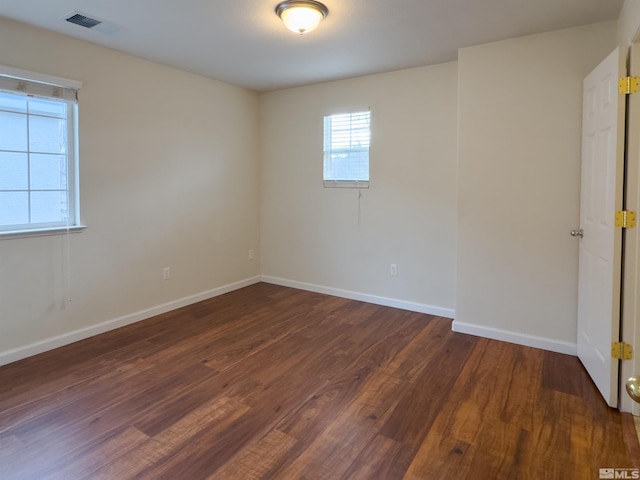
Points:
point(83, 20)
point(93, 23)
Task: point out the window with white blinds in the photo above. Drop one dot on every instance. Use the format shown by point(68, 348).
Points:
point(38, 164)
point(346, 149)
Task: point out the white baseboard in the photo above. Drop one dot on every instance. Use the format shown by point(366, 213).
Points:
point(363, 297)
point(517, 338)
point(67, 338)
point(35, 348)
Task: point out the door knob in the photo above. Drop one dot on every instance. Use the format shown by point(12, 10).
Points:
point(577, 233)
point(633, 388)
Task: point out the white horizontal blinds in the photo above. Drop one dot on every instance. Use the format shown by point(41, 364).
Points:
point(38, 89)
point(346, 148)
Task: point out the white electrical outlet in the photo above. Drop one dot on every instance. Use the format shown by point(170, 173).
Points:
point(166, 273)
point(393, 270)
point(251, 254)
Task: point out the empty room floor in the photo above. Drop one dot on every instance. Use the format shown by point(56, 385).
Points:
point(270, 382)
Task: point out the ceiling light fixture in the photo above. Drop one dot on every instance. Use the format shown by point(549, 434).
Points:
point(301, 16)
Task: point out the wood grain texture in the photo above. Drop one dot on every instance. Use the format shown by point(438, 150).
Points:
point(269, 382)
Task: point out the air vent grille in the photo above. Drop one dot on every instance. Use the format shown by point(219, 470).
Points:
point(83, 20)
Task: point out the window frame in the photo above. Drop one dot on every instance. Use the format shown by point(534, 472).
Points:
point(32, 84)
point(347, 183)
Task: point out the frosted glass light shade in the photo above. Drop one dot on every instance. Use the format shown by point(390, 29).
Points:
point(301, 16)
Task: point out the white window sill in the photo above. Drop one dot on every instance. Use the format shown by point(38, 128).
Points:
point(41, 232)
point(346, 184)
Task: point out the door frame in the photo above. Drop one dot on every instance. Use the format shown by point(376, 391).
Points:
point(630, 307)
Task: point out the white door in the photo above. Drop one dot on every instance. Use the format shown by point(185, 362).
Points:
point(601, 243)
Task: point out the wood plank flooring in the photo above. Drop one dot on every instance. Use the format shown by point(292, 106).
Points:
point(269, 382)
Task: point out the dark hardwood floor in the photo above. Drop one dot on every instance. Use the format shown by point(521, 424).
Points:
point(271, 382)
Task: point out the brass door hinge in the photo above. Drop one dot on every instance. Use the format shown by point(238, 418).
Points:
point(621, 351)
point(625, 219)
point(627, 85)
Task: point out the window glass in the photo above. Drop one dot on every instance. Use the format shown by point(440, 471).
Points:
point(37, 162)
point(347, 139)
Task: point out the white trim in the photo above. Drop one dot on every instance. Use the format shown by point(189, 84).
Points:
point(346, 184)
point(70, 337)
point(39, 77)
point(517, 338)
point(41, 232)
point(362, 297)
point(631, 258)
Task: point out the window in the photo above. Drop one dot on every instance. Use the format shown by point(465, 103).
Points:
point(38, 162)
point(346, 149)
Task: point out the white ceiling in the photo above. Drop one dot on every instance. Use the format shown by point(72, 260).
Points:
point(244, 43)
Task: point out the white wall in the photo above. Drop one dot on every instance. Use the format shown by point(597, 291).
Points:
point(628, 22)
point(520, 105)
point(311, 234)
point(169, 177)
